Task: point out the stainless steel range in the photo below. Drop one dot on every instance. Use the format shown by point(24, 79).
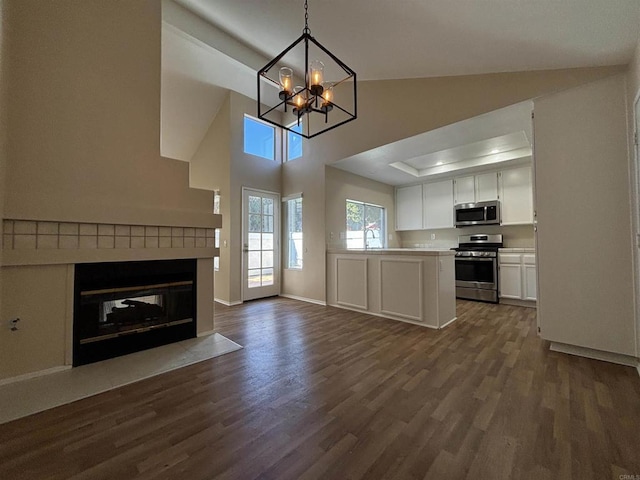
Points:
point(477, 267)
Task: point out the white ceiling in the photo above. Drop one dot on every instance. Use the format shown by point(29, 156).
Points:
point(502, 136)
point(382, 39)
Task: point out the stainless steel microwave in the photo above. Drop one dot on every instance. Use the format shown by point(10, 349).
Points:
point(480, 213)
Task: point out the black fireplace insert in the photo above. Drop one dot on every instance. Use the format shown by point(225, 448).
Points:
point(124, 307)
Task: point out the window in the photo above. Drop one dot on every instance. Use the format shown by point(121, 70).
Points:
point(366, 225)
point(259, 138)
point(216, 260)
point(293, 207)
point(294, 142)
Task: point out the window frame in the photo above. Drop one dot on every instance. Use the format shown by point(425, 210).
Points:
point(383, 229)
point(288, 232)
point(274, 153)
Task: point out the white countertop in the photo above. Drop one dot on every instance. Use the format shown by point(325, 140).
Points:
point(393, 251)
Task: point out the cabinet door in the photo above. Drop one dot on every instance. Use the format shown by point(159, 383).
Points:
point(486, 187)
point(438, 204)
point(510, 275)
point(464, 190)
point(516, 196)
point(409, 208)
point(529, 277)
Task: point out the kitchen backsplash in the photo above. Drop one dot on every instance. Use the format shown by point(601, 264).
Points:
point(514, 236)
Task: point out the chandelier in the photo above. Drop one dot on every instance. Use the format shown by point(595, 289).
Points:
point(311, 106)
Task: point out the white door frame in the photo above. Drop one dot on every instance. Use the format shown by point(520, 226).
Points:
point(277, 232)
point(635, 213)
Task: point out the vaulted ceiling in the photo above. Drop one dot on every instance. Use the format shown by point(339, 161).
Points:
point(383, 39)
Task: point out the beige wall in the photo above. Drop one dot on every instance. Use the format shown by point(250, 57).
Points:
point(340, 186)
point(633, 92)
point(392, 110)
point(3, 129)
point(246, 171)
point(40, 296)
point(84, 116)
point(584, 246)
point(210, 168)
point(514, 236)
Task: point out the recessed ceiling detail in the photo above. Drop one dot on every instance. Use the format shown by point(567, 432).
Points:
point(512, 146)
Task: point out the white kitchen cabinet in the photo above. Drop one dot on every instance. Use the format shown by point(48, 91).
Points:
point(529, 277)
point(517, 277)
point(409, 208)
point(476, 188)
point(516, 195)
point(438, 204)
point(464, 189)
point(510, 275)
point(486, 187)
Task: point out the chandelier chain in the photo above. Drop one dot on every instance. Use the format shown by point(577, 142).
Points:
point(306, 17)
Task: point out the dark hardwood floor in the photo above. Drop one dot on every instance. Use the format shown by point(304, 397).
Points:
point(324, 393)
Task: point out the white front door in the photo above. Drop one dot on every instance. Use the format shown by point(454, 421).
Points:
point(261, 244)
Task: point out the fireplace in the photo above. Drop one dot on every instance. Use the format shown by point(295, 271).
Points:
point(124, 307)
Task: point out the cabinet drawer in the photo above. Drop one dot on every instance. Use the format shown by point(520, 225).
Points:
point(509, 258)
point(529, 259)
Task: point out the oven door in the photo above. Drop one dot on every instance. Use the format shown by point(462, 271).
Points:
point(477, 272)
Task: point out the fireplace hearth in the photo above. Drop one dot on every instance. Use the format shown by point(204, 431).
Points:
point(124, 307)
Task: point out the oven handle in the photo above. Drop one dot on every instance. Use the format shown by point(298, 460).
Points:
point(477, 259)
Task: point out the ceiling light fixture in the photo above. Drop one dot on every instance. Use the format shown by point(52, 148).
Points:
point(312, 103)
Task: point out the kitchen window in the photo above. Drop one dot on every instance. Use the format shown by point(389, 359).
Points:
point(259, 138)
point(366, 225)
point(293, 244)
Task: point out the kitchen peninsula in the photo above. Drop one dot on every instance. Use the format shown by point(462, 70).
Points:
point(408, 284)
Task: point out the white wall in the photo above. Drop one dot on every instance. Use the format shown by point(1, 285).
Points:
point(582, 198)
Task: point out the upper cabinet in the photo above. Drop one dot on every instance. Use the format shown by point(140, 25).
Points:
point(431, 205)
point(438, 204)
point(516, 195)
point(476, 188)
point(409, 208)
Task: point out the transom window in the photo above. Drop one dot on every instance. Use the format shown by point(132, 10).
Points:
point(259, 138)
point(294, 142)
point(366, 225)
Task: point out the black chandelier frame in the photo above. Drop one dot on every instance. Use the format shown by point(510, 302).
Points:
point(313, 94)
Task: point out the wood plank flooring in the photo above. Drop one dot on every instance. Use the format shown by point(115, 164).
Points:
point(324, 393)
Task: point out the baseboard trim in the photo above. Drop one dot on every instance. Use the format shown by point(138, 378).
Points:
point(395, 319)
point(39, 373)
point(227, 304)
point(518, 303)
point(304, 299)
point(610, 357)
point(205, 334)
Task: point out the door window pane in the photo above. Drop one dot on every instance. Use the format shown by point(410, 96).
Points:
point(267, 223)
point(267, 260)
point(254, 278)
point(254, 241)
point(267, 276)
point(267, 241)
point(267, 206)
point(254, 259)
point(255, 222)
point(254, 204)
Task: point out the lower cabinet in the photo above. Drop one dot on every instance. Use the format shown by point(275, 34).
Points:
point(517, 278)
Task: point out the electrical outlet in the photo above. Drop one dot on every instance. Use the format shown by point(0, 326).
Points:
point(433, 236)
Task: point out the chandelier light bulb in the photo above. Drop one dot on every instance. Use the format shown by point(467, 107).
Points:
point(327, 93)
point(286, 75)
point(298, 97)
point(316, 77)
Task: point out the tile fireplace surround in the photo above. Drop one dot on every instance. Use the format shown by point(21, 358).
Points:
point(38, 264)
